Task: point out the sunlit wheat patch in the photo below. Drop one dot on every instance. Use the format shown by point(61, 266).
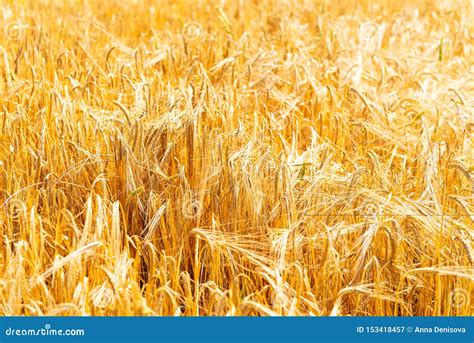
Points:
point(201, 158)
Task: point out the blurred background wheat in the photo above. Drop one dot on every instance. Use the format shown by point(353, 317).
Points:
point(236, 157)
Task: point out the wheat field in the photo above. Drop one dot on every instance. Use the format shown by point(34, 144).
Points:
point(237, 158)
